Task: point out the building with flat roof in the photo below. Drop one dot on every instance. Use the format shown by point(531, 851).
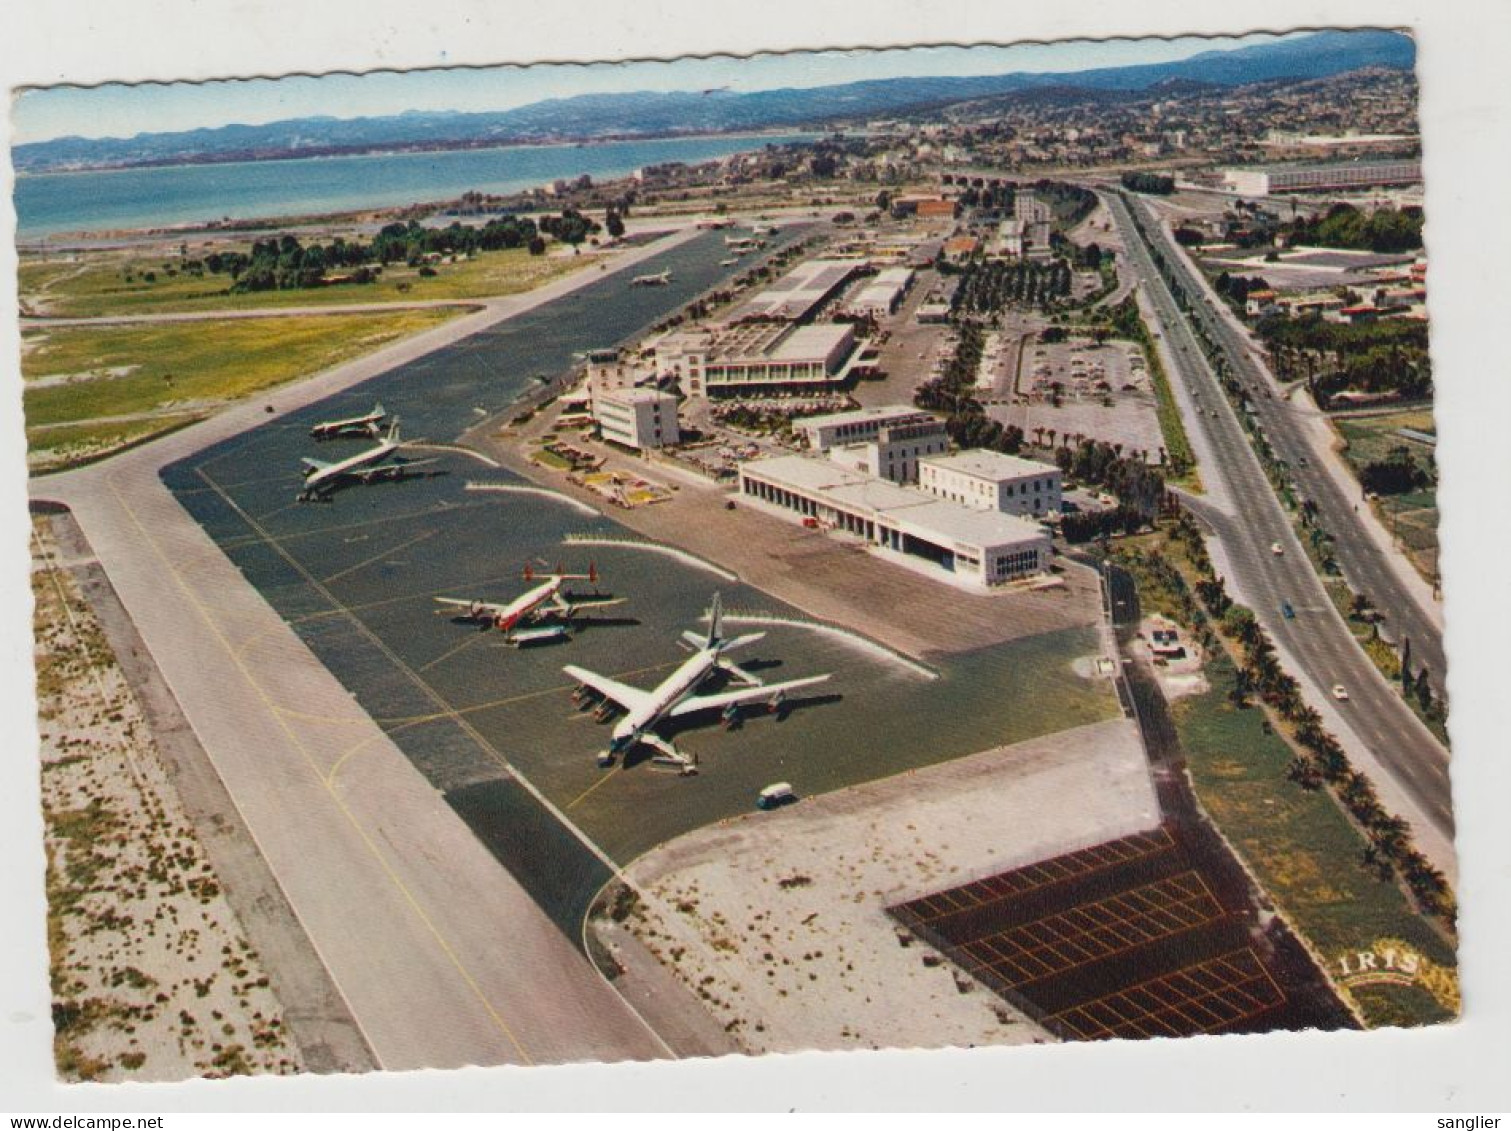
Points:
point(716, 360)
point(797, 295)
point(1264, 180)
point(977, 548)
point(896, 450)
point(991, 481)
point(881, 295)
point(637, 418)
point(858, 425)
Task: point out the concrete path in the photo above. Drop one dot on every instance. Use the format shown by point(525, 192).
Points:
point(441, 957)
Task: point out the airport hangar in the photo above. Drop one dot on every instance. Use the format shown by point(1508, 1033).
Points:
point(982, 548)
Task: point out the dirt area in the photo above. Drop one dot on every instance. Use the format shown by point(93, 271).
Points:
point(777, 921)
point(1173, 657)
point(827, 578)
point(152, 976)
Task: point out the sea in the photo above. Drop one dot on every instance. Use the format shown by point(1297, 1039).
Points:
point(50, 204)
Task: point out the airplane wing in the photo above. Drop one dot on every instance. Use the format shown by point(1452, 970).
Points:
point(314, 465)
point(460, 603)
point(630, 698)
point(741, 695)
point(385, 470)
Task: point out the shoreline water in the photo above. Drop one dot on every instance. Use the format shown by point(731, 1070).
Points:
point(82, 203)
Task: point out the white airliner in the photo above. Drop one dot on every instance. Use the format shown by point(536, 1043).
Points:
point(658, 280)
point(355, 426)
point(320, 479)
point(677, 696)
point(545, 603)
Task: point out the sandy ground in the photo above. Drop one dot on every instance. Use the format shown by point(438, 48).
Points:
point(153, 978)
point(777, 921)
point(1176, 678)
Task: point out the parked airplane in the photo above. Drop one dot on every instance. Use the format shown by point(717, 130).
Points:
point(545, 602)
point(658, 280)
point(677, 696)
point(321, 479)
point(356, 426)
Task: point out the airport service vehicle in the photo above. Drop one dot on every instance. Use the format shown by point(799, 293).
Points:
point(322, 479)
point(1340, 693)
point(541, 614)
point(660, 279)
point(775, 796)
point(676, 696)
point(365, 425)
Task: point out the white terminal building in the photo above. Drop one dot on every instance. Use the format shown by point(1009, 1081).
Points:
point(637, 418)
point(858, 425)
point(991, 481)
point(799, 293)
point(897, 451)
point(977, 548)
point(1263, 180)
point(882, 294)
point(758, 358)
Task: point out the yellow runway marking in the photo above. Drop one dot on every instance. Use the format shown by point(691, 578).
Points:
point(293, 737)
point(446, 655)
point(573, 803)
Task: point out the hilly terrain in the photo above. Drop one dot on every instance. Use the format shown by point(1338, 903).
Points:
point(633, 114)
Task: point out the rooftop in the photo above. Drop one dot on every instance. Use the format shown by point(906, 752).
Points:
point(985, 464)
point(908, 506)
point(796, 293)
point(877, 413)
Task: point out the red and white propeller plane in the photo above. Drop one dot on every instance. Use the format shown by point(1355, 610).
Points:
point(540, 614)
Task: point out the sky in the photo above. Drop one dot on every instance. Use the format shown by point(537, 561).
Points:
point(118, 110)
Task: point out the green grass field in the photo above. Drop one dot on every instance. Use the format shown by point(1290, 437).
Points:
point(1304, 850)
point(90, 390)
point(1413, 518)
point(97, 284)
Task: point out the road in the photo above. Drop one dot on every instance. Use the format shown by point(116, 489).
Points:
point(1367, 566)
point(1316, 644)
point(442, 958)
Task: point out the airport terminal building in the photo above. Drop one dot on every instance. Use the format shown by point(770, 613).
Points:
point(979, 548)
point(987, 480)
point(758, 358)
point(637, 418)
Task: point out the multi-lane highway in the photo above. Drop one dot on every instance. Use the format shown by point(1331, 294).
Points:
point(1314, 637)
point(1363, 561)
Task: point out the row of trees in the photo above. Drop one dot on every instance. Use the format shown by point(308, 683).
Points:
point(285, 263)
point(1387, 356)
point(1149, 183)
point(988, 286)
point(1385, 230)
point(1322, 761)
point(1138, 487)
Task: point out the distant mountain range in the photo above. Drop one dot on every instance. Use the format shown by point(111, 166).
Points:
point(645, 114)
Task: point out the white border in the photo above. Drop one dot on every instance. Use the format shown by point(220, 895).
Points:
point(1466, 121)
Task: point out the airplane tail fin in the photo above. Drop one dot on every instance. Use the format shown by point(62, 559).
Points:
point(393, 431)
point(715, 621)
